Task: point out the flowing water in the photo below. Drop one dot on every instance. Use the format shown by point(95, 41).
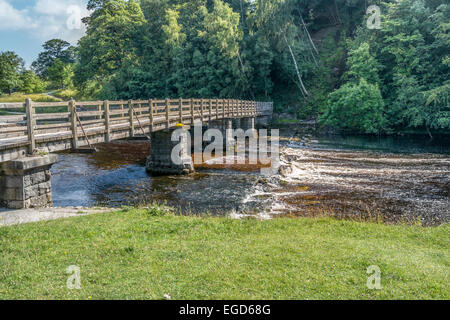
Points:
point(401, 179)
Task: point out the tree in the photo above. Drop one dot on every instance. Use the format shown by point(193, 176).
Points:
point(53, 49)
point(108, 44)
point(362, 65)
point(10, 67)
point(61, 74)
point(357, 107)
point(413, 48)
point(31, 83)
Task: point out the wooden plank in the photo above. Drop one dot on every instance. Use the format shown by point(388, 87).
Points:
point(30, 126)
point(202, 110)
point(107, 127)
point(224, 105)
point(130, 114)
point(51, 116)
point(89, 103)
point(12, 118)
point(73, 124)
point(151, 114)
point(13, 128)
point(180, 103)
point(167, 114)
point(19, 105)
point(95, 121)
point(89, 113)
point(50, 104)
point(191, 106)
point(210, 109)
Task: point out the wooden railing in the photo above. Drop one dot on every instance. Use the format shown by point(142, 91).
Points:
point(36, 123)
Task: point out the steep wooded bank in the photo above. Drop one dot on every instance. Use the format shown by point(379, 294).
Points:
point(318, 59)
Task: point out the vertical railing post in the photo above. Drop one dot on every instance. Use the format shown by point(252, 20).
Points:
point(130, 113)
point(167, 114)
point(150, 104)
point(201, 106)
point(233, 106)
point(191, 104)
point(210, 109)
point(73, 123)
point(181, 110)
point(217, 109)
point(30, 125)
point(223, 109)
point(107, 125)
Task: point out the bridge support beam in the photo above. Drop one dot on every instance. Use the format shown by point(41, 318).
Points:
point(25, 183)
point(160, 161)
point(249, 124)
point(226, 127)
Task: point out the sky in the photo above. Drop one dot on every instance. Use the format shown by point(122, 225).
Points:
point(26, 24)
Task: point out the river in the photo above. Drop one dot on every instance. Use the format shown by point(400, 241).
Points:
point(401, 179)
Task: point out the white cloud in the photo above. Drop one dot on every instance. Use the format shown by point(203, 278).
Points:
point(47, 19)
point(13, 19)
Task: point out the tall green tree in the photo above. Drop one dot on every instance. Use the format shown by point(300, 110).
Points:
point(53, 49)
point(61, 74)
point(11, 66)
point(31, 83)
point(108, 45)
point(357, 105)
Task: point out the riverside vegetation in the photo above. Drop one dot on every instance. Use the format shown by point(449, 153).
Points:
point(315, 59)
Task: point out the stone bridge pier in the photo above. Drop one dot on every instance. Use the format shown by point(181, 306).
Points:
point(249, 124)
point(25, 183)
point(169, 157)
point(225, 126)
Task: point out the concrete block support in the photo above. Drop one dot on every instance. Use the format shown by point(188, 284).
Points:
point(160, 161)
point(25, 183)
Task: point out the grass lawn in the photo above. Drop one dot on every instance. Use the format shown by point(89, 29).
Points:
point(21, 97)
point(141, 254)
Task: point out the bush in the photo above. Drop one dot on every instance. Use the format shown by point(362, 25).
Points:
point(356, 107)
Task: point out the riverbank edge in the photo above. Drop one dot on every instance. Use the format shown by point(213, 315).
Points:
point(11, 217)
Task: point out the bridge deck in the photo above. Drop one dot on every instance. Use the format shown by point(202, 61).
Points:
point(61, 126)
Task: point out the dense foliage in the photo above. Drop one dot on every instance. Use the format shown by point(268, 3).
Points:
point(313, 58)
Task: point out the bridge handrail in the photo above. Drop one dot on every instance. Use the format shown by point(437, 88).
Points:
point(59, 118)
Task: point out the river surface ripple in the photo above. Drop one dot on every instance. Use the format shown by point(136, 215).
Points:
point(386, 180)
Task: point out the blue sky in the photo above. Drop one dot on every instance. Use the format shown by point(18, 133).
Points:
point(26, 24)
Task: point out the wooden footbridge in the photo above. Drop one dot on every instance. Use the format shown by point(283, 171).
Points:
point(45, 127)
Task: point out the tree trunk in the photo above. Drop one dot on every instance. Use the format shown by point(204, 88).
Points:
point(429, 133)
point(337, 12)
point(296, 67)
point(309, 36)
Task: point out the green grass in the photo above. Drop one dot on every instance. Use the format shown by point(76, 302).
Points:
point(65, 94)
point(21, 97)
point(143, 254)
